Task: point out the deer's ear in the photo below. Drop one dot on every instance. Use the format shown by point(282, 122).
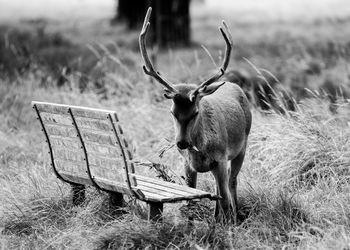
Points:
point(210, 89)
point(169, 94)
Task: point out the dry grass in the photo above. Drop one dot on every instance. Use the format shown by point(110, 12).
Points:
point(293, 189)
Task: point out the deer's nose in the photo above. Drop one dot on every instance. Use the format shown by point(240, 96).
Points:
point(182, 145)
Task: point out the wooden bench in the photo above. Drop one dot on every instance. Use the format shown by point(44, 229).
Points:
point(87, 147)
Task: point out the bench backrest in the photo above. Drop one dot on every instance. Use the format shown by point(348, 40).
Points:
point(87, 145)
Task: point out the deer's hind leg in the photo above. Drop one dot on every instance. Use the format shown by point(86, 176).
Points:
point(236, 165)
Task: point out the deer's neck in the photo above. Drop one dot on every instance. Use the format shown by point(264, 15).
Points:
point(200, 127)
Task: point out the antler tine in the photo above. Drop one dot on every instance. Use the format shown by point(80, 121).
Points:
point(229, 44)
point(148, 67)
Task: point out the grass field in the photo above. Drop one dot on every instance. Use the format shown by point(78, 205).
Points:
point(294, 187)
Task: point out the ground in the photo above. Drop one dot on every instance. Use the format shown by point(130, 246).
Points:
point(294, 185)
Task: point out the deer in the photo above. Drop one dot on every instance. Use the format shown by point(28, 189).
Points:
point(212, 122)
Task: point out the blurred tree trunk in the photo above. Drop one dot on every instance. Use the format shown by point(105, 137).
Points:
point(131, 11)
point(170, 21)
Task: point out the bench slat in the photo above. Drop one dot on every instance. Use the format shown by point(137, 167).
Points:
point(153, 197)
point(78, 110)
point(99, 114)
point(106, 162)
point(78, 168)
point(93, 124)
point(166, 184)
point(99, 165)
point(161, 193)
point(59, 130)
point(100, 181)
point(62, 119)
point(83, 122)
point(99, 138)
point(53, 109)
point(113, 186)
point(76, 178)
point(111, 152)
point(105, 151)
point(70, 132)
point(69, 155)
point(64, 142)
point(167, 190)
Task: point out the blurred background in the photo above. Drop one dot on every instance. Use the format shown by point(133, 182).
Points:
point(294, 40)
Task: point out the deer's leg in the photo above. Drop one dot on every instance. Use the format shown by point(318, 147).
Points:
point(236, 165)
point(190, 176)
point(224, 208)
point(217, 207)
point(191, 181)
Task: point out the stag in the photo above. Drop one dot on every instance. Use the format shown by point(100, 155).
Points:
point(212, 122)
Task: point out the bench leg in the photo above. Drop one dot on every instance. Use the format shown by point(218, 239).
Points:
point(155, 211)
point(116, 201)
point(78, 192)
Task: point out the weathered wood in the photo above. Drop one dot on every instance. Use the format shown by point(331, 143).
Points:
point(169, 191)
point(78, 168)
point(73, 161)
point(166, 184)
point(98, 151)
point(61, 130)
point(62, 119)
point(159, 191)
point(93, 124)
point(84, 180)
point(102, 150)
point(155, 211)
point(69, 155)
point(104, 183)
point(113, 186)
point(98, 137)
point(83, 122)
point(64, 142)
point(154, 197)
point(100, 114)
point(50, 108)
point(119, 137)
point(101, 138)
point(78, 193)
point(97, 171)
point(106, 173)
point(107, 162)
point(78, 110)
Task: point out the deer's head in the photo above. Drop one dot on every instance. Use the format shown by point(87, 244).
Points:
point(186, 97)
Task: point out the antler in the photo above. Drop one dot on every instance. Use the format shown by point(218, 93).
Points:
point(148, 67)
point(229, 43)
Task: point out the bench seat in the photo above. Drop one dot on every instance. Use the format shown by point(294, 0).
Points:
point(147, 189)
point(162, 191)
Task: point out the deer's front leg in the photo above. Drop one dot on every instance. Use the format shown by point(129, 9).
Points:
point(190, 176)
point(224, 210)
point(190, 173)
